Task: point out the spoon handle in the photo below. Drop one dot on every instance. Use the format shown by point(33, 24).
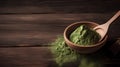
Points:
point(113, 18)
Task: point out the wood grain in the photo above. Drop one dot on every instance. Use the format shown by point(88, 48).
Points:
point(41, 29)
point(35, 57)
point(25, 57)
point(58, 6)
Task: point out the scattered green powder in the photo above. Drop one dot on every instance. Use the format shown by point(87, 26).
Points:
point(84, 35)
point(64, 54)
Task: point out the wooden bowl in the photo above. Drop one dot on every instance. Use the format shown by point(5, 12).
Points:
point(81, 48)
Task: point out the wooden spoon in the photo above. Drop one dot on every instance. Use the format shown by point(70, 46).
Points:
point(103, 28)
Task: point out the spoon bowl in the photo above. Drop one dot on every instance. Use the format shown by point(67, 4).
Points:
point(103, 28)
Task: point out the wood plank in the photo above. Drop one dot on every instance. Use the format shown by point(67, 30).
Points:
point(40, 29)
point(25, 57)
point(58, 6)
point(35, 57)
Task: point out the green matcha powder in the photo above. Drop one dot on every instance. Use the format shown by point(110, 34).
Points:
point(84, 35)
point(64, 56)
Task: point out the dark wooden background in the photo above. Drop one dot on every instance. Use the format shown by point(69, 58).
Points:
point(27, 26)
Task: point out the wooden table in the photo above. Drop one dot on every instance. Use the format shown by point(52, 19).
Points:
point(27, 26)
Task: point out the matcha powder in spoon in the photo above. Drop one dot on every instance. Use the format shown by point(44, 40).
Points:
point(84, 35)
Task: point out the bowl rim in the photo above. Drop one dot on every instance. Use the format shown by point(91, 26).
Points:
point(67, 40)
